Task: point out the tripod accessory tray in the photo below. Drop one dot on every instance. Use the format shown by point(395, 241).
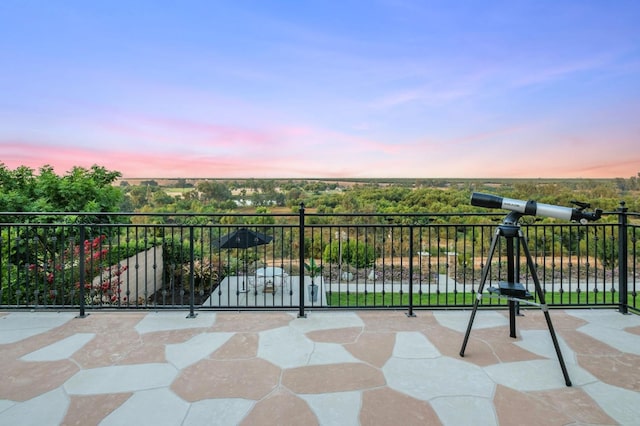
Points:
point(510, 290)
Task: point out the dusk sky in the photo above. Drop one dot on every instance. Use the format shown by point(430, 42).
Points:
point(295, 88)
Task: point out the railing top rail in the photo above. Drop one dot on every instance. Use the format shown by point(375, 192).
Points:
point(389, 217)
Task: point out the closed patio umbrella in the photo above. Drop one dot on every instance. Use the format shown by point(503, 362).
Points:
point(242, 238)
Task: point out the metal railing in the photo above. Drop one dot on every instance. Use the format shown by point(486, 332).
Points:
point(311, 261)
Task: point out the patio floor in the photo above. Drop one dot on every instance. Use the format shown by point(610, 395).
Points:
point(242, 291)
point(331, 368)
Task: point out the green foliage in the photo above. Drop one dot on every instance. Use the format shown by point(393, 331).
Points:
point(126, 250)
point(212, 190)
point(48, 272)
point(312, 268)
point(80, 190)
point(176, 251)
point(393, 196)
point(351, 252)
point(603, 243)
point(313, 247)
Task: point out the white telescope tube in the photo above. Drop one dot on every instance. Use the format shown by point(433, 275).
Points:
point(531, 208)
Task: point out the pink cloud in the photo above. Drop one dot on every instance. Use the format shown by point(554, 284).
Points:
point(299, 151)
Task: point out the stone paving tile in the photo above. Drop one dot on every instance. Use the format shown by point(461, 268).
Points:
point(173, 321)
point(330, 353)
point(587, 346)
point(195, 349)
point(392, 321)
point(120, 378)
point(373, 348)
point(534, 319)
point(544, 374)
point(209, 378)
point(149, 351)
point(503, 347)
point(168, 409)
point(332, 378)
point(18, 326)
point(115, 339)
point(574, 403)
point(340, 335)
point(45, 409)
point(22, 380)
point(251, 321)
point(614, 337)
point(240, 346)
point(622, 370)
point(459, 320)
point(221, 411)
point(522, 408)
point(285, 347)
point(335, 408)
point(621, 404)
point(448, 342)
point(465, 410)
point(109, 349)
point(426, 379)
point(61, 349)
point(326, 321)
point(539, 342)
point(281, 408)
point(385, 406)
point(92, 409)
point(608, 364)
point(116, 324)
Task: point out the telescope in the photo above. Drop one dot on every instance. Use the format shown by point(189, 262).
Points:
point(534, 208)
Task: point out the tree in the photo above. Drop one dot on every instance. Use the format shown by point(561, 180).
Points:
point(214, 191)
point(80, 190)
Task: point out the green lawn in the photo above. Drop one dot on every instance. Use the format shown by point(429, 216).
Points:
point(454, 300)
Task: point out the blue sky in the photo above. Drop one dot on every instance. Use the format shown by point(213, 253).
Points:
point(284, 89)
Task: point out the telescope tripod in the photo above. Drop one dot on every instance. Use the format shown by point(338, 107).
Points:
point(511, 290)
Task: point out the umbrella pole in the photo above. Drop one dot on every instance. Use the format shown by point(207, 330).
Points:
point(244, 271)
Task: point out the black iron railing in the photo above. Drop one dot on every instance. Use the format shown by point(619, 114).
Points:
point(311, 261)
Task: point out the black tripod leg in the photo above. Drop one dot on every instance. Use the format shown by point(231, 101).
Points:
point(545, 310)
point(483, 280)
point(511, 279)
point(473, 315)
point(512, 319)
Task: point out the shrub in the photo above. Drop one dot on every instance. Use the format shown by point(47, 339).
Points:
point(355, 253)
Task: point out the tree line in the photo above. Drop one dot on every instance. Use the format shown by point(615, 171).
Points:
point(97, 189)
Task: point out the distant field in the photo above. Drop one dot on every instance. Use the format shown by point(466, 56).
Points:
point(171, 182)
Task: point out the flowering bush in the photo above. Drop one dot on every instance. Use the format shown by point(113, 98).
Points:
point(56, 280)
point(204, 273)
point(106, 287)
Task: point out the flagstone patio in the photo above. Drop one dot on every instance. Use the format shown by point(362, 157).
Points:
point(331, 368)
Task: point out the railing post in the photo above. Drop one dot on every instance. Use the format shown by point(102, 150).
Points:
point(410, 313)
point(82, 272)
point(192, 295)
point(622, 258)
point(301, 313)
